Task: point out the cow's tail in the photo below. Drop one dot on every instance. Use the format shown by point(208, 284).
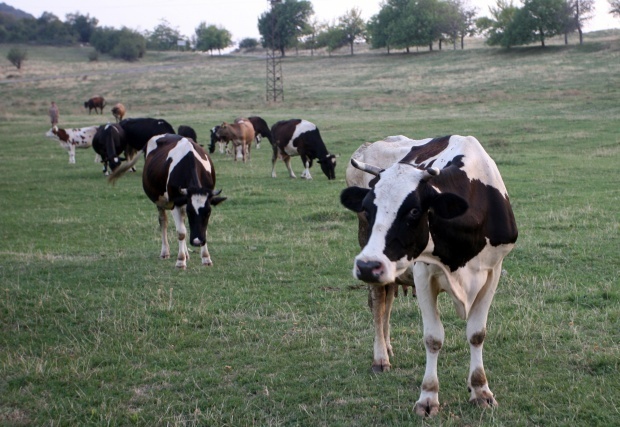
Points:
point(123, 168)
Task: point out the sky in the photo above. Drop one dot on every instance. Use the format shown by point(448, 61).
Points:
point(240, 17)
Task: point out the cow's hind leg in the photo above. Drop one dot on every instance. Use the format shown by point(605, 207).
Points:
point(179, 220)
point(480, 394)
point(380, 299)
point(163, 227)
point(287, 162)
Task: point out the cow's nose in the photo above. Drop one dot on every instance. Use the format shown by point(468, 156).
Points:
point(197, 242)
point(369, 271)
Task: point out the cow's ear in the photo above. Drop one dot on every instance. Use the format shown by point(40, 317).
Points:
point(217, 200)
point(351, 198)
point(449, 205)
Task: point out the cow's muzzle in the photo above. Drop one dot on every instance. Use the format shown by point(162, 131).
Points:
point(369, 271)
point(197, 242)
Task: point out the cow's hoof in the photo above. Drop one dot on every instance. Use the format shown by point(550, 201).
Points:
point(427, 408)
point(164, 256)
point(207, 262)
point(381, 366)
point(485, 401)
point(181, 265)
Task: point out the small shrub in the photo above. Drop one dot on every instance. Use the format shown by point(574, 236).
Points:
point(93, 56)
point(17, 56)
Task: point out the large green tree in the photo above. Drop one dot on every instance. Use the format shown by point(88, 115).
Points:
point(83, 26)
point(211, 37)
point(284, 23)
point(163, 37)
point(353, 26)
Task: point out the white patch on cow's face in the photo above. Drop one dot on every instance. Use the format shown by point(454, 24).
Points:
point(198, 201)
point(396, 183)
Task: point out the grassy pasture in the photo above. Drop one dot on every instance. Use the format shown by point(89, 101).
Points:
point(96, 330)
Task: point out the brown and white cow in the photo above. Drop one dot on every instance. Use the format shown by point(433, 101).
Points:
point(119, 111)
point(442, 210)
point(241, 134)
point(95, 103)
point(382, 154)
point(298, 137)
point(178, 175)
point(69, 139)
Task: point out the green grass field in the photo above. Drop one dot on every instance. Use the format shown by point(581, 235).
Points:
point(95, 329)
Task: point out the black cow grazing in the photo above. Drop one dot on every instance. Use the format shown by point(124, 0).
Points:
point(188, 132)
point(95, 103)
point(110, 143)
point(442, 210)
point(300, 138)
point(139, 131)
point(261, 129)
point(178, 175)
point(214, 139)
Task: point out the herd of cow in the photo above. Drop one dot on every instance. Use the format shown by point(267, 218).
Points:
point(433, 213)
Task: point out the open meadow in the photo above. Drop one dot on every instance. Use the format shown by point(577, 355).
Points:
point(95, 329)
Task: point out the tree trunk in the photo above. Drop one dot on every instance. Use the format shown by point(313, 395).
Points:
point(462, 42)
point(351, 47)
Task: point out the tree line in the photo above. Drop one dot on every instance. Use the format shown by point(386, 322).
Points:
point(290, 24)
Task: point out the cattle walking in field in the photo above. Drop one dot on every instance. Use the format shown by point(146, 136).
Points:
point(69, 139)
point(95, 103)
point(118, 111)
point(178, 175)
point(241, 134)
point(442, 210)
point(300, 138)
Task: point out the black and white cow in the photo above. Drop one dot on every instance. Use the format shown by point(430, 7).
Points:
point(188, 132)
point(444, 211)
point(215, 138)
point(300, 138)
point(110, 144)
point(139, 131)
point(178, 175)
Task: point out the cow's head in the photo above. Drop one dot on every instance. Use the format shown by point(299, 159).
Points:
point(198, 202)
point(397, 209)
point(328, 166)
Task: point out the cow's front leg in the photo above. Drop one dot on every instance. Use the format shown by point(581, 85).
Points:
point(380, 300)
point(179, 219)
point(428, 403)
point(204, 254)
point(306, 173)
point(72, 154)
point(163, 227)
point(480, 394)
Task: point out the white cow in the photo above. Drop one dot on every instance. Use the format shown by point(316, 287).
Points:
point(71, 138)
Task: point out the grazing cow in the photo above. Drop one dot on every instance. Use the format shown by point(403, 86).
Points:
point(95, 103)
point(300, 138)
point(110, 142)
point(71, 138)
point(139, 131)
point(261, 129)
point(215, 139)
point(178, 175)
point(188, 132)
point(442, 210)
point(380, 298)
point(241, 134)
point(118, 111)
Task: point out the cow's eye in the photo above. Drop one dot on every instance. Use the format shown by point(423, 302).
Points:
point(414, 213)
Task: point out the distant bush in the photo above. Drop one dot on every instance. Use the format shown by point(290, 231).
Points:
point(248, 43)
point(124, 44)
point(17, 56)
point(93, 56)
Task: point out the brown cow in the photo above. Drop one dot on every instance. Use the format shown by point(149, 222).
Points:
point(118, 111)
point(95, 103)
point(241, 134)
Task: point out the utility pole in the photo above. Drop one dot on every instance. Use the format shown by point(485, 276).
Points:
point(275, 86)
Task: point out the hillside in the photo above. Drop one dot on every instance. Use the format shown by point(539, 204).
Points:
point(17, 13)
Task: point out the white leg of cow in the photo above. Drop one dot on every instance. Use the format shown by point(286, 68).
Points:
point(427, 291)
point(163, 227)
point(274, 159)
point(380, 299)
point(480, 394)
point(179, 220)
point(306, 173)
point(72, 154)
point(287, 162)
point(258, 138)
point(97, 158)
point(204, 254)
